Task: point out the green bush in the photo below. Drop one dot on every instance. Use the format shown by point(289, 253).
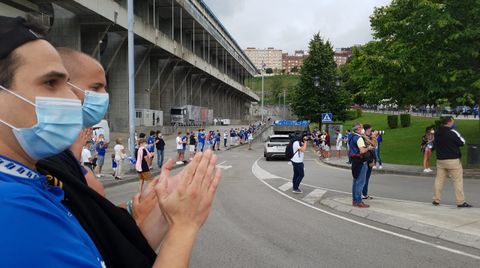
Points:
point(405, 120)
point(351, 115)
point(359, 112)
point(392, 121)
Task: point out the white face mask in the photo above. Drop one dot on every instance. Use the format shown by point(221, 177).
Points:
point(363, 131)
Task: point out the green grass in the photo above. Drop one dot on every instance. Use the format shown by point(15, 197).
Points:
point(402, 145)
point(276, 83)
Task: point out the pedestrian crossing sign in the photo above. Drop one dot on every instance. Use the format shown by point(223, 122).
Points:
point(327, 117)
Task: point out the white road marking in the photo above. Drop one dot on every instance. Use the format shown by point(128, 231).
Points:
point(314, 196)
point(264, 175)
point(255, 168)
point(286, 186)
point(221, 166)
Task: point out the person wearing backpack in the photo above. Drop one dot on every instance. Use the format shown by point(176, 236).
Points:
point(297, 151)
point(358, 149)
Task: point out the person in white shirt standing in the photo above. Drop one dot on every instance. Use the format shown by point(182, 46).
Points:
point(339, 142)
point(120, 155)
point(299, 148)
point(87, 156)
point(180, 151)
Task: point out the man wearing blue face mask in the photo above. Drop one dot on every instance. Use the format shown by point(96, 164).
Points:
point(47, 119)
point(50, 218)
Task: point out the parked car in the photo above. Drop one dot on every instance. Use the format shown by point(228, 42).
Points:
point(447, 110)
point(463, 110)
point(275, 146)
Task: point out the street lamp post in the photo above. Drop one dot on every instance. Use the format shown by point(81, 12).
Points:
point(131, 77)
point(284, 104)
point(263, 67)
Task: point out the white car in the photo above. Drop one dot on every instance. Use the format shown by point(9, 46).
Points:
point(275, 146)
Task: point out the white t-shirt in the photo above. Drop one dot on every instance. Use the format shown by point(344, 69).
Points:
point(86, 155)
point(118, 148)
point(179, 143)
point(339, 139)
point(297, 156)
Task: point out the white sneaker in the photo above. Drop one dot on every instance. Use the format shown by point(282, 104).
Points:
point(179, 162)
point(374, 167)
point(426, 170)
point(99, 175)
point(380, 167)
point(429, 170)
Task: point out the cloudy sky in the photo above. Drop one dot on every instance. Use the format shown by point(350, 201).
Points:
point(290, 24)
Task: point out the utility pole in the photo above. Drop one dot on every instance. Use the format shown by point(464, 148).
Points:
point(284, 104)
point(131, 78)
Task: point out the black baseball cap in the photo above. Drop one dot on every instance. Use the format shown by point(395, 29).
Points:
point(13, 33)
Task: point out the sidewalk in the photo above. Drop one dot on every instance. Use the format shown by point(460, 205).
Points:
point(458, 225)
point(461, 226)
point(170, 153)
point(400, 169)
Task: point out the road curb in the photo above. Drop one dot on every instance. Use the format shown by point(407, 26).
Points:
point(398, 172)
point(402, 223)
point(133, 177)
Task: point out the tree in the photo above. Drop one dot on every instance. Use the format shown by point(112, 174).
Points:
point(435, 45)
point(316, 92)
point(294, 69)
point(424, 50)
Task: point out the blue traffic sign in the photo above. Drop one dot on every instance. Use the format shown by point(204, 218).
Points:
point(327, 117)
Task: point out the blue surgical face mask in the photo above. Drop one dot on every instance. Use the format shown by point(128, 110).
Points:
point(95, 106)
point(59, 122)
point(454, 126)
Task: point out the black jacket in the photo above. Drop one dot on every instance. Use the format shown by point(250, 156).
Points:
point(447, 143)
point(111, 228)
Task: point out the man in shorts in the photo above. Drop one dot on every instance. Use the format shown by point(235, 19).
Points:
point(180, 151)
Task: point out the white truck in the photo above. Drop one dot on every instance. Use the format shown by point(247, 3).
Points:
point(187, 115)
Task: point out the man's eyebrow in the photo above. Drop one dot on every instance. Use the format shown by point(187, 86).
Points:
point(55, 74)
point(97, 85)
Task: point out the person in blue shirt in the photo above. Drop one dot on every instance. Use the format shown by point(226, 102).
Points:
point(377, 149)
point(39, 114)
point(184, 144)
point(348, 136)
point(241, 135)
point(201, 140)
point(151, 142)
point(217, 140)
point(101, 149)
point(41, 117)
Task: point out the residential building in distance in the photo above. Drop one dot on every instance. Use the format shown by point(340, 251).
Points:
point(271, 57)
point(342, 54)
point(294, 62)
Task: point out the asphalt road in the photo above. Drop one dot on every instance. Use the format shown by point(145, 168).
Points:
point(253, 224)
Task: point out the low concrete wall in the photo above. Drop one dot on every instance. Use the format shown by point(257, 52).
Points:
point(288, 129)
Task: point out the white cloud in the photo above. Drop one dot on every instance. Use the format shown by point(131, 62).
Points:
point(290, 24)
